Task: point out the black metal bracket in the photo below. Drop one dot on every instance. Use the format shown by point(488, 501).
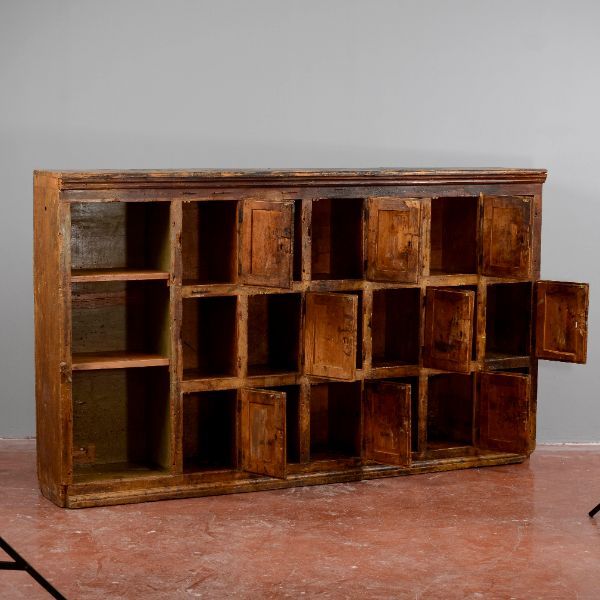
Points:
point(18, 563)
point(594, 510)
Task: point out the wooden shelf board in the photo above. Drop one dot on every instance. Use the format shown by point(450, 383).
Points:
point(115, 471)
point(91, 361)
point(87, 275)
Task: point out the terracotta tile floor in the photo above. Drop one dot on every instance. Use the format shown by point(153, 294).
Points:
point(504, 532)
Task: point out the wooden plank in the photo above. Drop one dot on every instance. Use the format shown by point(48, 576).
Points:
point(86, 275)
point(263, 432)
point(307, 177)
point(448, 329)
point(561, 324)
point(330, 335)
point(91, 361)
point(393, 239)
point(266, 242)
point(387, 423)
point(506, 236)
point(51, 314)
point(504, 412)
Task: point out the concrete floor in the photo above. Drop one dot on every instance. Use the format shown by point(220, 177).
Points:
point(504, 532)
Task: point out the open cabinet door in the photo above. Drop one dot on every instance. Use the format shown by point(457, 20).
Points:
point(506, 236)
point(561, 321)
point(266, 242)
point(504, 412)
point(393, 239)
point(387, 423)
point(263, 432)
point(330, 335)
point(448, 329)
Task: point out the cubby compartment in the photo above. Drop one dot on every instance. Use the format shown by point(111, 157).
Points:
point(337, 238)
point(209, 242)
point(121, 423)
point(209, 431)
point(273, 333)
point(209, 337)
point(454, 224)
point(335, 420)
point(120, 240)
point(508, 320)
point(395, 327)
point(120, 323)
point(449, 411)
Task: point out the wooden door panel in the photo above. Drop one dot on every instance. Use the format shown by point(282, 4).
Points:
point(266, 242)
point(330, 337)
point(448, 329)
point(504, 412)
point(561, 321)
point(393, 231)
point(506, 236)
point(263, 429)
point(387, 425)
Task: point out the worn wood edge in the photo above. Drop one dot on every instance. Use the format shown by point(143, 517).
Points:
point(106, 179)
point(78, 498)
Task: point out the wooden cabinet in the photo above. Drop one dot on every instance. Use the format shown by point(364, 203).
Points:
point(207, 332)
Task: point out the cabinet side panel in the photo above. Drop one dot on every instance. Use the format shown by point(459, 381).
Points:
point(53, 441)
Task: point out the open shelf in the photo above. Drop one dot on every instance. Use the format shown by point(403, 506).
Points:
point(120, 241)
point(209, 242)
point(335, 421)
point(395, 327)
point(273, 333)
point(508, 320)
point(209, 431)
point(454, 223)
point(93, 361)
point(337, 238)
point(208, 337)
point(449, 411)
point(118, 274)
point(121, 424)
point(120, 324)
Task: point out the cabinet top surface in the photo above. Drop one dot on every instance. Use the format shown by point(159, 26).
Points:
point(116, 178)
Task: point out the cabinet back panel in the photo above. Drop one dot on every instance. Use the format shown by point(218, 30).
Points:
point(120, 235)
point(450, 410)
point(335, 420)
point(337, 239)
point(508, 319)
point(124, 414)
point(208, 336)
point(209, 241)
point(273, 332)
point(209, 430)
point(454, 235)
point(120, 317)
point(395, 326)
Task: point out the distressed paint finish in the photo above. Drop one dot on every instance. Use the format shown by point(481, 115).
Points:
point(247, 330)
point(504, 412)
point(393, 234)
point(266, 239)
point(448, 329)
point(387, 423)
point(562, 312)
point(263, 431)
point(507, 236)
point(330, 335)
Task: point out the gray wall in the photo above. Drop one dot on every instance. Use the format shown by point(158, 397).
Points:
point(137, 83)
